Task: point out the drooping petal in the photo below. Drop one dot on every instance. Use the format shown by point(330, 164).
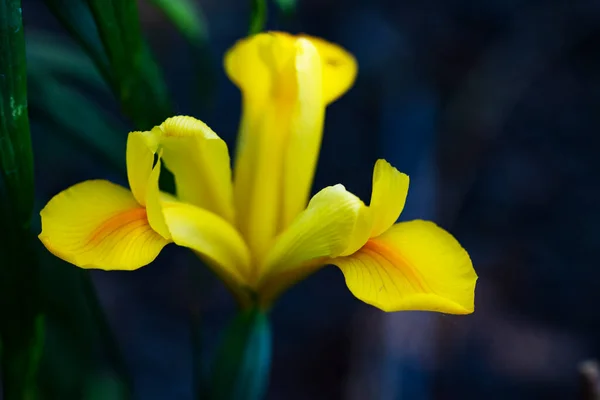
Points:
point(97, 224)
point(140, 158)
point(323, 230)
point(199, 160)
point(415, 265)
point(212, 237)
point(388, 196)
point(339, 68)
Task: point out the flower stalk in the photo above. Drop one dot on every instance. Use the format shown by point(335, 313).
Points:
point(243, 361)
point(258, 16)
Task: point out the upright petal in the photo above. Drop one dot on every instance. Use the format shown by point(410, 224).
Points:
point(199, 160)
point(390, 188)
point(339, 68)
point(268, 97)
point(97, 224)
point(281, 79)
point(245, 66)
point(301, 151)
point(154, 203)
point(323, 230)
point(140, 158)
point(413, 266)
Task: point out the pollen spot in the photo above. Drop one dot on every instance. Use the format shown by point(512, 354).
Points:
point(334, 62)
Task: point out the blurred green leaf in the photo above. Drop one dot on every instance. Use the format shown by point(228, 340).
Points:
point(243, 361)
point(50, 56)
point(21, 320)
point(80, 348)
point(287, 7)
point(110, 32)
point(258, 16)
point(51, 59)
point(131, 70)
point(24, 342)
point(78, 20)
point(139, 82)
point(85, 123)
point(102, 387)
point(188, 18)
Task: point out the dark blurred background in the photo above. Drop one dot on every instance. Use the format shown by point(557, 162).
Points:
point(492, 108)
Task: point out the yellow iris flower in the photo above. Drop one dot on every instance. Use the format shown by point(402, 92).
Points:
point(259, 231)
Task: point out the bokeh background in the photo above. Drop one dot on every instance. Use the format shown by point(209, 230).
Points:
point(492, 108)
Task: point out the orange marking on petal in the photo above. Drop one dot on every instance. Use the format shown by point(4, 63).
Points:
point(116, 222)
point(395, 259)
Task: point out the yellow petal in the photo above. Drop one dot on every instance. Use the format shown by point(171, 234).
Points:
point(211, 236)
point(97, 224)
point(199, 160)
point(154, 200)
point(280, 77)
point(322, 230)
point(390, 188)
point(415, 265)
point(339, 69)
point(140, 157)
point(305, 132)
point(263, 67)
point(245, 66)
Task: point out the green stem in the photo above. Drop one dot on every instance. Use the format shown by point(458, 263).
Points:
point(258, 16)
point(243, 362)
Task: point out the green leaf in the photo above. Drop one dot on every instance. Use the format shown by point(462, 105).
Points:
point(241, 369)
point(85, 123)
point(77, 19)
point(138, 81)
point(80, 353)
point(16, 157)
point(21, 324)
point(102, 387)
point(258, 16)
point(131, 70)
point(51, 57)
point(21, 319)
point(188, 18)
point(110, 32)
point(21, 357)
